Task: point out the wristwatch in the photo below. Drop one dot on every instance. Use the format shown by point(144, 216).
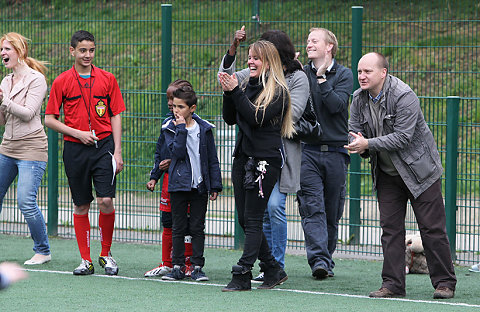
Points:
point(322, 77)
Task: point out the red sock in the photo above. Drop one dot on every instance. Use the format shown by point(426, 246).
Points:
point(167, 247)
point(81, 224)
point(106, 222)
point(188, 253)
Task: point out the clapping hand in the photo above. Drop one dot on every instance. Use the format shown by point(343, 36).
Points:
point(228, 82)
point(358, 145)
point(327, 61)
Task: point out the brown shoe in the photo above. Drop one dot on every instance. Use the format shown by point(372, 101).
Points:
point(384, 293)
point(443, 292)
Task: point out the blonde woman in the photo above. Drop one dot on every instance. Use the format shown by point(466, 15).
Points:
point(260, 107)
point(23, 151)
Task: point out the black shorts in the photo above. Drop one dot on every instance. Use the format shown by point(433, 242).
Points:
point(84, 163)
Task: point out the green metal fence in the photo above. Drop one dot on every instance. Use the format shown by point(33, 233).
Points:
point(433, 46)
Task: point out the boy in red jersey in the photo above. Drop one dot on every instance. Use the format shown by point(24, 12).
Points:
point(92, 131)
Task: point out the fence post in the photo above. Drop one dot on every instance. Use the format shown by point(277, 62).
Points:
point(166, 60)
point(451, 171)
point(52, 182)
point(166, 54)
point(256, 15)
point(355, 174)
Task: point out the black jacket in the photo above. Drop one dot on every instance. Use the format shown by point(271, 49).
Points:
point(259, 135)
point(330, 100)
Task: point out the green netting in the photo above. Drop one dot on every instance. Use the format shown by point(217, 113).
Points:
point(431, 45)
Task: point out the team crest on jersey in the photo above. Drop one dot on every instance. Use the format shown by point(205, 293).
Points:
point(100, 108)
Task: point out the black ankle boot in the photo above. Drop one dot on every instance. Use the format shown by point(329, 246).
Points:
point(273, 275)
point(241, 279)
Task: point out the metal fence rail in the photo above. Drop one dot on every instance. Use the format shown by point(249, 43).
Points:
point(433, 46)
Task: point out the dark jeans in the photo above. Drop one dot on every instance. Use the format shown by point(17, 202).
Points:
point(320, 203)
point(429, 211)
point(184, 225)
point(251, 208)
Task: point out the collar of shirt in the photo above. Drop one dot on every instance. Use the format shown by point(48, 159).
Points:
point(92, 72)
point(375, 99)
point(328, 69)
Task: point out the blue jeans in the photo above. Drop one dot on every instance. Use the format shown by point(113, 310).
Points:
point(30, 175)
point(275, 224)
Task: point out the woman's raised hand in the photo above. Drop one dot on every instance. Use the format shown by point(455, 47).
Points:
point(228, 82)
point(240, 36)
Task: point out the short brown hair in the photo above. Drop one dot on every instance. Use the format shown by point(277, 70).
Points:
point(177, 84)
point(186, 93)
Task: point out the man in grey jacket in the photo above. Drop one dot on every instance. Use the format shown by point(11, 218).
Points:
point(387, 125)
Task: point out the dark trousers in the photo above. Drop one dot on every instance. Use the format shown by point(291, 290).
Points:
point(321, 203)
point(184, 225)
point(429, 211)
point(251, 208)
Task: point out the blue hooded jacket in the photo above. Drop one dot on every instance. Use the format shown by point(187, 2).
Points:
point(180, 171)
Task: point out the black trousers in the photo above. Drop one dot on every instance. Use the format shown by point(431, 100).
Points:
point(184, 225)
point(429, 211)
point(251, 208)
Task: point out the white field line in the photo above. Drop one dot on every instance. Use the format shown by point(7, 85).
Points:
point(441, 302)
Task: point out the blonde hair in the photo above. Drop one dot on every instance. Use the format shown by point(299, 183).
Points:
point(329, 37)
point(274, 84)
point(20, 44)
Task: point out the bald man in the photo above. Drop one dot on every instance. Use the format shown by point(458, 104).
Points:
point(387, 125)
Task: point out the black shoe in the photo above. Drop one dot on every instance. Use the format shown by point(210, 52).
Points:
point(85, 268)
point(241, 279)
point(319, 272)
point(178, 273)
point(198, 275)
point(273, 275)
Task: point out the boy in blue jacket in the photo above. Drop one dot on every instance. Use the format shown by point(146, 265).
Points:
point(194, 173)
point(162, 162)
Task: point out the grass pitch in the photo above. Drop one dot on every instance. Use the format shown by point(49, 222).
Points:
point(52, 287)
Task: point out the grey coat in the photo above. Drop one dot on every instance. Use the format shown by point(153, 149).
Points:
point(299, 88)
point(406, 136)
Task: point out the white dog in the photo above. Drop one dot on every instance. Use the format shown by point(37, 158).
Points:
point(415, 261)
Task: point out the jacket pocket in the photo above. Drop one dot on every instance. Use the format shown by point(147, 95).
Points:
point(421, 164)
point(389, 122)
